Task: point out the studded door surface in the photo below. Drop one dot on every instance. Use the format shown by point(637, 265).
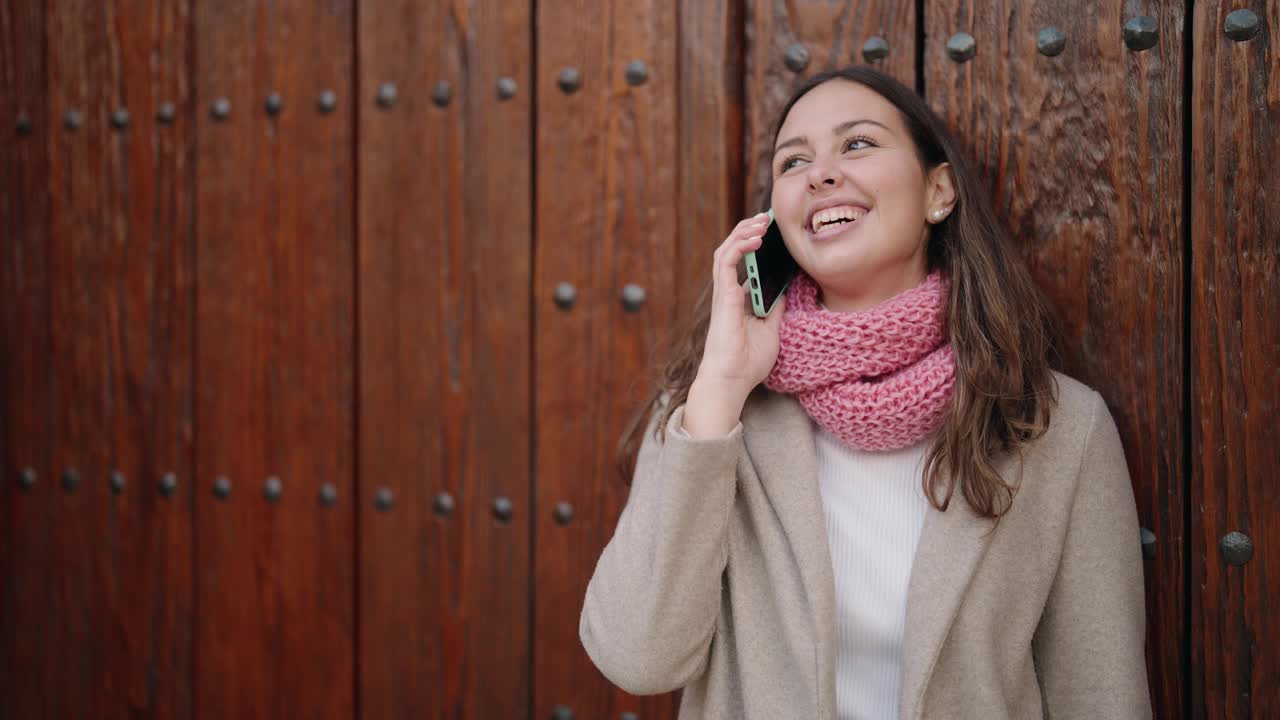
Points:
point(320, 321)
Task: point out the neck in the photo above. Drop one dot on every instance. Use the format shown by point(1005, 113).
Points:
point(854, 298)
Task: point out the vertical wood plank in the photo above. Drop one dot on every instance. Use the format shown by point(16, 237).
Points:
point(605, 195)
point(445, 280)
point(832, 34)
point(1235, 379)
point(27, 517)
point(275, 373)
point(1082, 153)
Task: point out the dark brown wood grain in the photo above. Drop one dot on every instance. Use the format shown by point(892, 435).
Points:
point(445, 282)
point(1235, 376)
point(833, 33)
point(606, 189)
point(1082, 153)
point(275, 369)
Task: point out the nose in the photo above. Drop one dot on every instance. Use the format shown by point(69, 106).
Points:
point(822, 175)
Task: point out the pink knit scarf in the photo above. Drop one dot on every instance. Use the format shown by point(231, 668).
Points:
point(877, 379)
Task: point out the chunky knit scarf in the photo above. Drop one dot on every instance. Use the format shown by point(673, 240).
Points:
point(877, 379)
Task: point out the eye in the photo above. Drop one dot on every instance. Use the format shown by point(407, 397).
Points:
point(853, 143)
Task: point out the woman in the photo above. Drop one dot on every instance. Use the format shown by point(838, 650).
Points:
point(879, 501)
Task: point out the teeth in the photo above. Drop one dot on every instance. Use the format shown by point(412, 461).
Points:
point(830, 215)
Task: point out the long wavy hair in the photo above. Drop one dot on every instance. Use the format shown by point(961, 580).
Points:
point(1001, 328)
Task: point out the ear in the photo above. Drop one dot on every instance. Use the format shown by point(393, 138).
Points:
point(940, 192)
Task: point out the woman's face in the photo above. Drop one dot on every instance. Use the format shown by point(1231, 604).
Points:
point(851, 197)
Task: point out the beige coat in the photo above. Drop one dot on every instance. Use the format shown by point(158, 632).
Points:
point(718, 580)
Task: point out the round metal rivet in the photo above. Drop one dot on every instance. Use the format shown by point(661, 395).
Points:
point(274, 103)
point(632, 298)
point(1051, 41)
point(383, 499)
point(387, 95)
point(327, 101)
point(27, 478)
point(441, 94)
point(72, 119)
point(168, 484)
point(443, 504)
point(563, 513)
point(1148, 543)
point(70, 479)
point(116, 482)
point(167, 112)
point(222, 487)
point(628, 716)
point(24, 125)
point(565, 296)
point(1140, 33)
point(637, 72)
point(561, 712)
point(1241, 25)
point(272, 489)
point(120, 119)
point(875, 49)
point(221, 108)
point(796, 57)
point(506, 88)
point(328, 495)
point(962, 47)
point(1236, 548)
point(502, 509)
point(570, 80)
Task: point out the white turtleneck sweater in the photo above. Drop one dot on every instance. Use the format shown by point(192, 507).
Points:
point(875, 509)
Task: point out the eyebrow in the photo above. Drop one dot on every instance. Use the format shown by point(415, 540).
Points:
point(841, 128)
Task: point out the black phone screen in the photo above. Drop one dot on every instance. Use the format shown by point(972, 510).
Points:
point(775, 265)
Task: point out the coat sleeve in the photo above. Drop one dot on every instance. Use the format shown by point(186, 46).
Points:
point(1089, 643)
point(651, 606)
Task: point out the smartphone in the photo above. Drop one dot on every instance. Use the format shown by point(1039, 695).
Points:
point(769, 270)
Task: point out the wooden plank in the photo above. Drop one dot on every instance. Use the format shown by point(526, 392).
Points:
point(832, 34)
point(606, 185)
point(1081, 152)
point(27, 517)
point(275, 587)
point(445, 280)
point(1235, 379)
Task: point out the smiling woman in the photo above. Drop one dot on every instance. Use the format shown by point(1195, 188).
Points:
point(879, 501)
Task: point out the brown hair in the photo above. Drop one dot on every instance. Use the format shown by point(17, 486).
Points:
point(1000, 327)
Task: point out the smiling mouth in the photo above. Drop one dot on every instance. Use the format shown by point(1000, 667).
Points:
point(831, 228)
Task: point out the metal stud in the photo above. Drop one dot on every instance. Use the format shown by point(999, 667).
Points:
point(443, 504)
point(116, 482)
point(441, 93)
point(23, 125)
point(27, 478)
point(570, 80)
point(272, 489)
point(1140, 33)
point(637, 72)
point(327, 101)
point(274, 104)
point(1241, 25)
point(563, 513)
point(796, 57)
point(561, 712)
point(72, 119)
point(328, 495)
point(120, 119)
point(168, 484)
point(222, 487)
point(565, 296)
point(502, 509)
point(628, 716)
point(221, 109)
point(383, 499)
point(962, 47)
point(506, 88)
point(1051, 42)
point(70, 479)
point(1148, 543)
point(875, 49)
point(632, 298)
point(167, 112)
point(387, 95)
point(1236, 548)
